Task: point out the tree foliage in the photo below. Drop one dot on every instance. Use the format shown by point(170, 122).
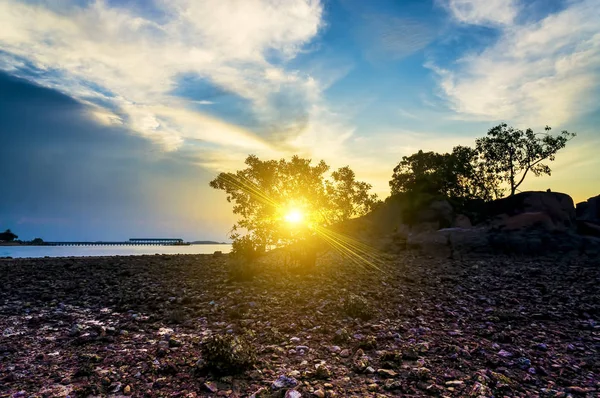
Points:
point(8, 236)
point(459, 174)
point(264, 191)
point(511, 154)
point(505, 156)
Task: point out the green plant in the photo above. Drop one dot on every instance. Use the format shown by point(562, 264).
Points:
point(357, 306)
point(510, 154)
point(227, 354)
point(283, 202)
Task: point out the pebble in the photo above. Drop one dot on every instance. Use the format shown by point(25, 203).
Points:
point(386, 373)
point(295, 340)
point(345, 353)
point(505, 354)
point(319, 393)
point(292, 394)
point(284, 382)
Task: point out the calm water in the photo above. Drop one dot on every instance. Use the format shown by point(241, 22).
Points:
point(85, 251)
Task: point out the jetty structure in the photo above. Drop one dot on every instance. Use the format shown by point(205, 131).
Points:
point(130, 242)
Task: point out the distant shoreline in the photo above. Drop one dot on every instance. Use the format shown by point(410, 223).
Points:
point(96, 243)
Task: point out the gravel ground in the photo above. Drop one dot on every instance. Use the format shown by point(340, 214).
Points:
point(419, 326)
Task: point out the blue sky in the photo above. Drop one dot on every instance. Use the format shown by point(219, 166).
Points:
point(116, 114)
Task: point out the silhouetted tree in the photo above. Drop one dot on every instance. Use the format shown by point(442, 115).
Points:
point(8, 236)
point(511, 154)
point(459, 174)
point(266, 191)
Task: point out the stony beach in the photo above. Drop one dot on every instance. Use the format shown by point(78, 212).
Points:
point(418, 326)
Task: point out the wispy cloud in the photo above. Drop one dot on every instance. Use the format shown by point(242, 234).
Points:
point(386, 37)
point(536, 73)
point(125, 65)
point(483, 12)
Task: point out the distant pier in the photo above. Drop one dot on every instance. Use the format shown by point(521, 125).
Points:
point(130, 242)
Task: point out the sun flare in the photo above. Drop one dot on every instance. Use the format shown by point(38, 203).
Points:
point(294, 216)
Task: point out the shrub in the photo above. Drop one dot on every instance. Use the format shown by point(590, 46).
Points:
point(357, 306)
point(227, 354)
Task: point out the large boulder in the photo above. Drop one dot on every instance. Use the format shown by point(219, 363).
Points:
point(558, 207)
point(588, 217)
point(439, 212)
point(589, 211)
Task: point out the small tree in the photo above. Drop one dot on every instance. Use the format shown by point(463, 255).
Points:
point(8, 236)
point(284, 202)
point(511, 154)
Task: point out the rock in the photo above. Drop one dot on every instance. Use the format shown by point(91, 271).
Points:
point(439, 212)
point(302, 349)
point(292, 394)
point(210, 386)
point(589, 211)
point(557, 206)
point(386, 373)
point(295, 340)
point(588, 228)
point(335, 349)
point(345, 353)
point(579, 390)
point(284, 382)
point(258, 393)
point(319, 393)
point(526, 221)
point(462, 221)
point(505, 354)
point(322, 371)
point(369, 369)
point(76, 330)
point(127, 390)
point(523, 363)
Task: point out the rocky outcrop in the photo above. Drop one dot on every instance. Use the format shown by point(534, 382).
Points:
point(558, 207)
point(438, 212)
point(530, 223)
point(589, 211)
point(588, 217)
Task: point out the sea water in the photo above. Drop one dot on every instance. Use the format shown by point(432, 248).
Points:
point(91, 251)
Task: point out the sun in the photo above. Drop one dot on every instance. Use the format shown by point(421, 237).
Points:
point(294, 216)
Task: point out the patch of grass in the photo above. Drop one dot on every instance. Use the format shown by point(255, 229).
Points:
point(356, 306)
point(227, 354)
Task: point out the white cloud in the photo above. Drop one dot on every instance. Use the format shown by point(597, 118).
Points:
point(536, 73)
point(125, 65)
point(483, 12)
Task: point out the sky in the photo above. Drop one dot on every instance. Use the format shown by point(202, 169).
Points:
point(115, 115)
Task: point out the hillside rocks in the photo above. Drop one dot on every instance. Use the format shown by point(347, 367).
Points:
point(554, 209)
point(588, 217)
point(589, 211)
point(530, 223)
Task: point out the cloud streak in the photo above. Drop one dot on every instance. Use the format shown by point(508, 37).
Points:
point(536, 73)
point(125, 65)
